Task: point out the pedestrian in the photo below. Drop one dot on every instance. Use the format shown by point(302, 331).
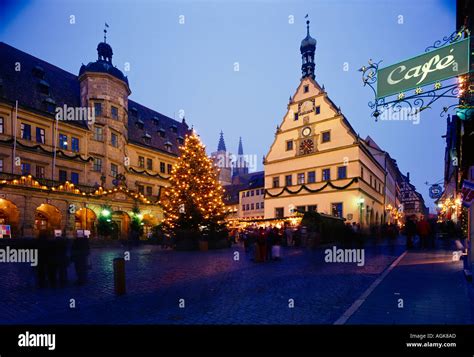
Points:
point(423, 230)
point(43, 258)
point(79, 255)
point(289, 235)
point(410, 231)
point(62, 259)
point(261, 246)
point(270, 242)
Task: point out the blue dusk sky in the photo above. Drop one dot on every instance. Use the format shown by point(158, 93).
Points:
point(190, 66)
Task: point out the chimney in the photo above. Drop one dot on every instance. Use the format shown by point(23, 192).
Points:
point(408, 176)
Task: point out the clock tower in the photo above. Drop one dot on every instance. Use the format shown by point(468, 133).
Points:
point(317, 161)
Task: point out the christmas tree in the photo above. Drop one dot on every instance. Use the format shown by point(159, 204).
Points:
point(193, 201)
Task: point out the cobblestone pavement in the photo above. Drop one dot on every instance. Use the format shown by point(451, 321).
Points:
point(433, 290)
point(216, 289)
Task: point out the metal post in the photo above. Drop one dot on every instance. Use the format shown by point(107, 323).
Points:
point(119, 276)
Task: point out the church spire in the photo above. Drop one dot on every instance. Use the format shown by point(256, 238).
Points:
point(221, 145)
point(241, 148)
point(307, 49)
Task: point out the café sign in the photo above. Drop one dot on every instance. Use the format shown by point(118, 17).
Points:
point(443, 63)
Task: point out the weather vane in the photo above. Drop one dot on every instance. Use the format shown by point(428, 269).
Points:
point(105, 32)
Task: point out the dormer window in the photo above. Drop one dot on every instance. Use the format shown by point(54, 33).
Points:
point(168, 146)
point(156, 120)
point(162, 132)
point(134, 111)
point(180, 140)
point(38, 72)
point(44, 87)
point(50, 105)
point(174, 128)
point(140, 124)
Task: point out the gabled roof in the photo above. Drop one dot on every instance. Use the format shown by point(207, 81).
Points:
point(64, 88)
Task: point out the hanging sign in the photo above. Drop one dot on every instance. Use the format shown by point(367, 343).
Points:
point(440, 64)
point(435, 191)
point(467, 192)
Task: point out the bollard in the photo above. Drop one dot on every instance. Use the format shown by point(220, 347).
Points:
point(119, 276)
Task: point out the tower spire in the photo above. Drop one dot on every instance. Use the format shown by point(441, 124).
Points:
point(241, 148)
point(221, 145)
point(307, 49)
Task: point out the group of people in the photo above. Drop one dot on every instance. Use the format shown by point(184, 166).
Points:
point(263, 243)
point(54, 256)
point(421, 228)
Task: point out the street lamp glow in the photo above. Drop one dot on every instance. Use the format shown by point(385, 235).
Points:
point(361, 200)
point(105, 213)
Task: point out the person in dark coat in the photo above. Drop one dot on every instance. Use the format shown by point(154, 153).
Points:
point(63, 259)
point(79, 255)
point(410, 231)
point(43, 258)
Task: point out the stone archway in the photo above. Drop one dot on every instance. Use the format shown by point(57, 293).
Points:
point(47, 218)
point(121, 225)
point(10, 215)
point(85, 218)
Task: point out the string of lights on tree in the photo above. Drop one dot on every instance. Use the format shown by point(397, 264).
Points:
point(193, 200)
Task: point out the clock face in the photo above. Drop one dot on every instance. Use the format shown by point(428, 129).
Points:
point(306, 131)
point(307, 146)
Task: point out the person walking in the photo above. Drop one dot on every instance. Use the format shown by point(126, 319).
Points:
point(423, 230)
point(410, 231)
point(79, 255)
point(289, 236)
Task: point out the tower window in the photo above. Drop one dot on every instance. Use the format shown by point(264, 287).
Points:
point(326, 137)
point(326, 174)
point(114, 112)
point(317, 110)
point(296, 116)
point(289, 145)
point(114, 140)
point(98, 109)
point(306, 88)
point(342, 172)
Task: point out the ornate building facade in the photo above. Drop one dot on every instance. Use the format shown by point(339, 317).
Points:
point(317, 161)
point(73, 147)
